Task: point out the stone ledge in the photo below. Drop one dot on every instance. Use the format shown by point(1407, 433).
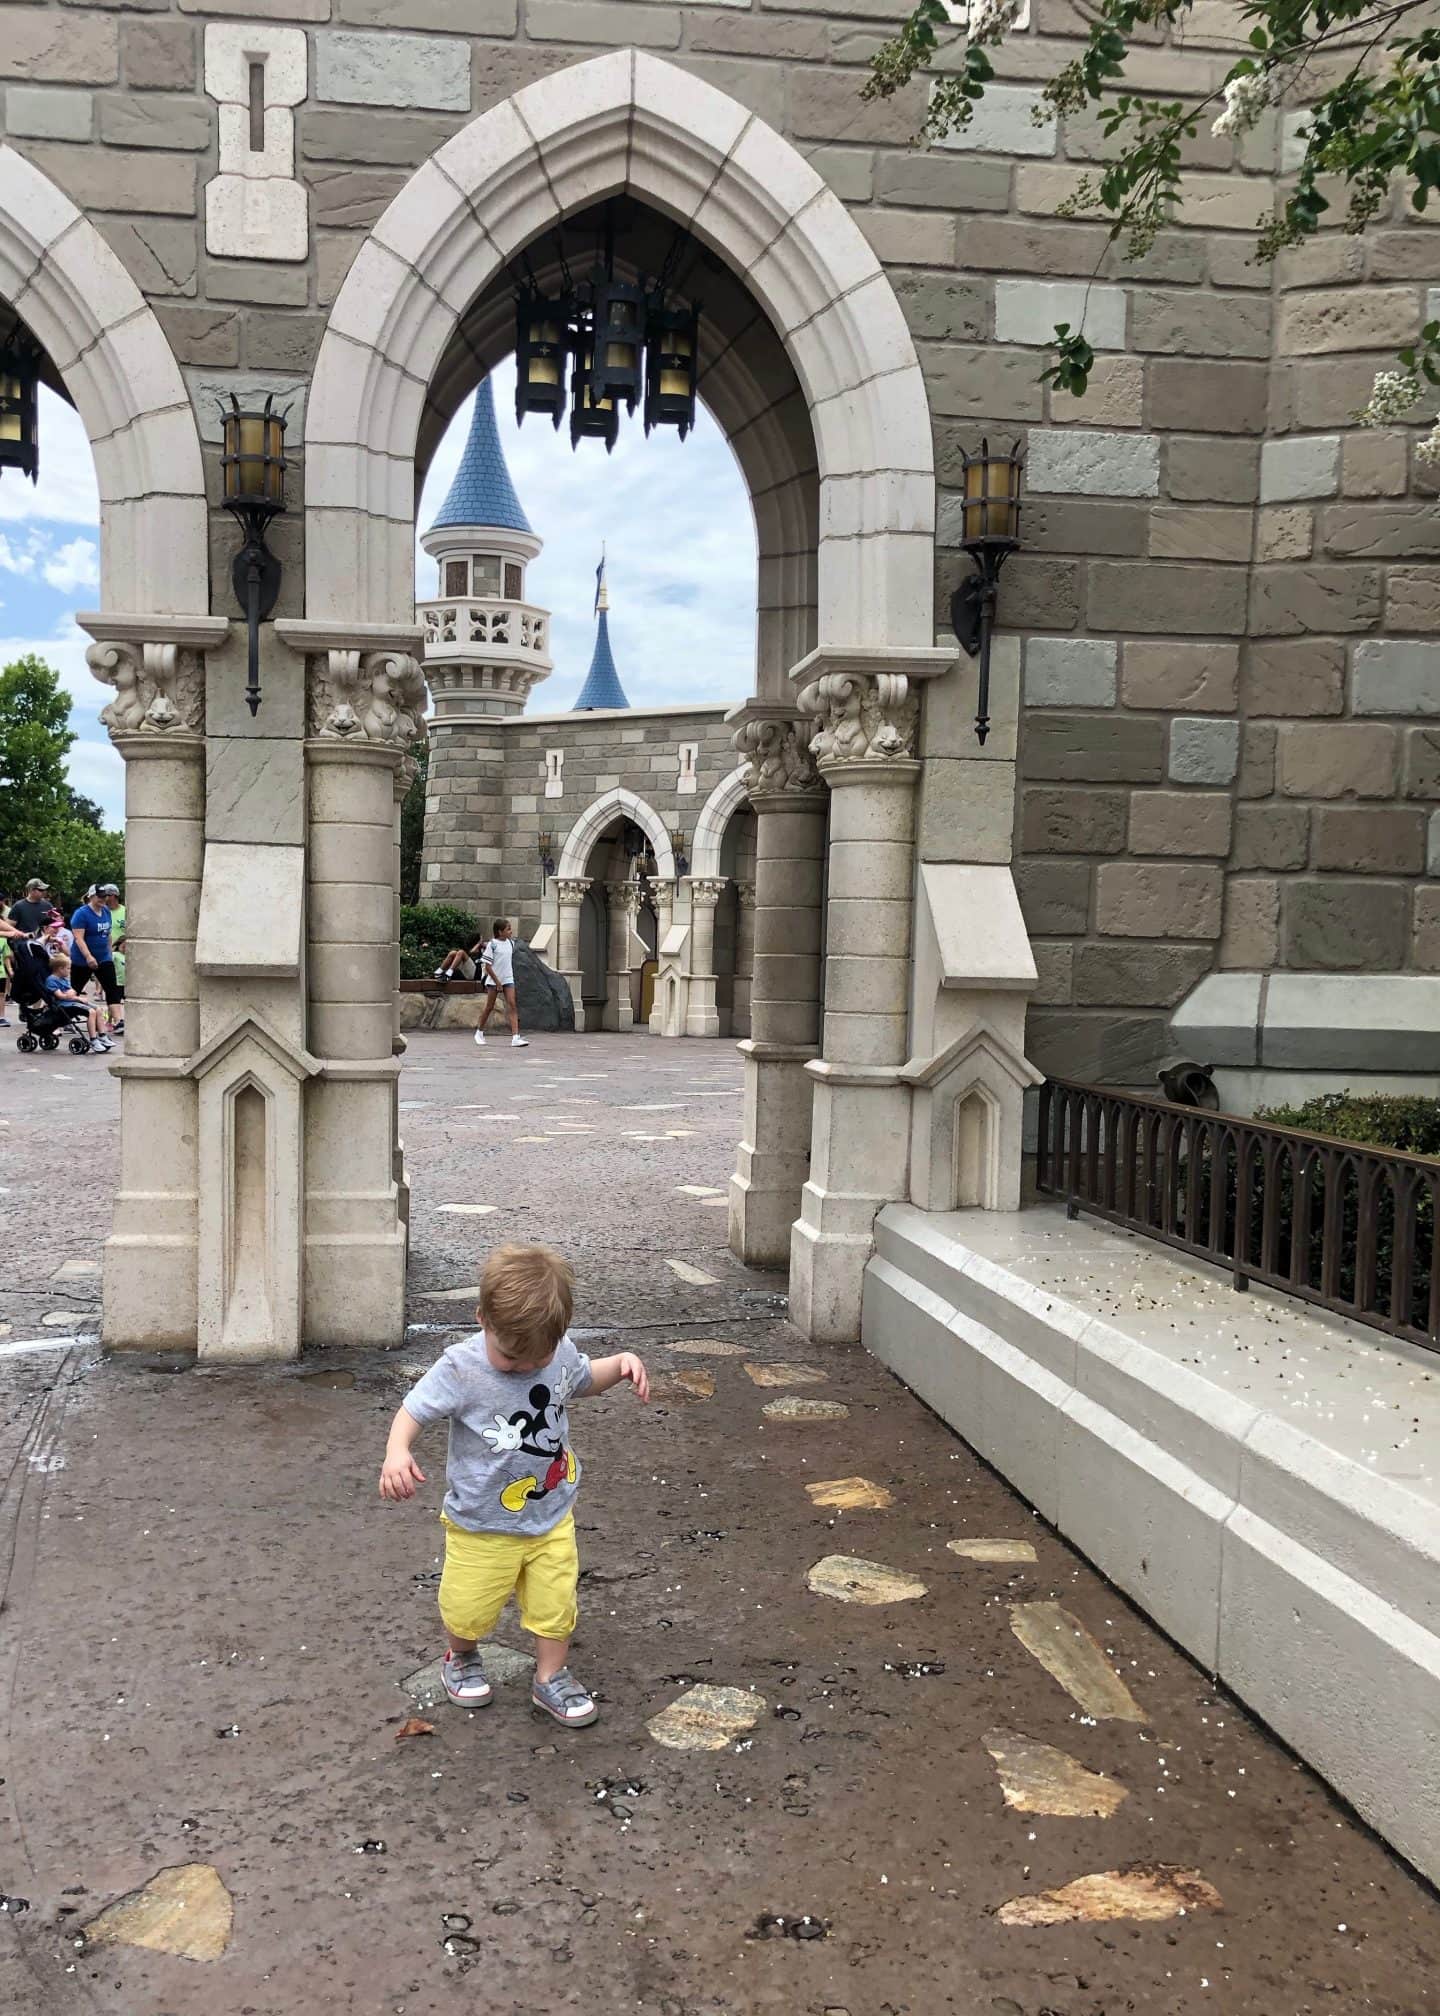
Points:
point(1370, 1022)
point(1186, 1475)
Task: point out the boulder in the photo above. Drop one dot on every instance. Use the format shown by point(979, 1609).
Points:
point(542, 997)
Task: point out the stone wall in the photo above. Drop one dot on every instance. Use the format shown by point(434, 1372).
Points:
point(1229, 597)
point(488, 803)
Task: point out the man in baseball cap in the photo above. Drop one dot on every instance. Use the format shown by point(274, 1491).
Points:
point(32, 909)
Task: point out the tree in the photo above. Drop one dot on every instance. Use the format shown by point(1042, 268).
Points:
point(1367, 70)
point(412, 826)
point(46, 828)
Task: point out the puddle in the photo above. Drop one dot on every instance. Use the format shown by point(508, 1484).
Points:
point(1149, 1892)
point(1070, 1655)
point(755, 1298)
point(1035, 1778)
point(706, 1718)
point(850, 1494)
point(186, 1911)
point(850, 1580)
point(918, 1669)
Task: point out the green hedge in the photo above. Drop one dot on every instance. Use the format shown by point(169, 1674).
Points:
point(1410, 1125)
point(428, 931)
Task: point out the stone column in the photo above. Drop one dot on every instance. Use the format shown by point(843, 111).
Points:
point(157, 722)
point(406, 771)
point(365, 701)
point(702, 1017)
point(773, 1157)
point(744, 955)
point(624, 901)
point(569, 895)
point(864, 745)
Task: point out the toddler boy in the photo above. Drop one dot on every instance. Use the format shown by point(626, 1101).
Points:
point(511, 1475)
point(60, 994)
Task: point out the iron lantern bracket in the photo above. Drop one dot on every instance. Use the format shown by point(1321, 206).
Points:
point(972, 618)
point(256, 574)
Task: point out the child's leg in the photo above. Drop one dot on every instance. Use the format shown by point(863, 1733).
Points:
point(491, 996)
point(512, 1011)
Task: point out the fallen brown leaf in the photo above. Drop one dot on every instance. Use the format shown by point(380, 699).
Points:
point(414, 1727)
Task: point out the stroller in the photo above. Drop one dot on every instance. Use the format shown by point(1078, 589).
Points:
point(45, 1019)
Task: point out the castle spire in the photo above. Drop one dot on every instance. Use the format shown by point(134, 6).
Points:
point(602, 686)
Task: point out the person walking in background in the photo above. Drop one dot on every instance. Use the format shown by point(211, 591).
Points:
point(116, 905)
point(90, 955)
point(31, 912)
point(498, 959)
point(7, 931)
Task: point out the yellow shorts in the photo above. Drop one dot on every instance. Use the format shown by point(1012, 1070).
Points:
point(483, 1570)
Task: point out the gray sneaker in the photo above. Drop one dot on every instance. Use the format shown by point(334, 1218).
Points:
point(564, 1699)
point(463, 1674)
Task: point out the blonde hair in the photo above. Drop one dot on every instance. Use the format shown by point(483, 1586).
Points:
point(59, 959)
point(527, 1295)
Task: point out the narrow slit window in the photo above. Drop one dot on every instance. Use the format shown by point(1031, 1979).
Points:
point(257, 106)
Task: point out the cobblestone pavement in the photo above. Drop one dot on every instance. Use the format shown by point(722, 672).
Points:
point(209, 1615)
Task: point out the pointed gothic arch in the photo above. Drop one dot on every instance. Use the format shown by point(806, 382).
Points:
point(616, 804)
point(715, 815)
point(627, 121)
point(79, 302)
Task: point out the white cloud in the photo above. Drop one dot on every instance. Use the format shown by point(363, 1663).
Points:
point(13, 560)
point(76, 565)
point(675, 519)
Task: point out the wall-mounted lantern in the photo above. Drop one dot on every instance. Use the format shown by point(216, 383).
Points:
point(545, 849)
point(19, 411)
point(252, 472)
point(678, 847)
point(990, 533)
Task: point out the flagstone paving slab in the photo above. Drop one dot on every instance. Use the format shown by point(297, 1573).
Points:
point(851, 1494)
point(706, 1718)
point(1145, 1894)
point(1037, 1778)
point(786, 1375)
point(992, 1550)
point(850, 1580)
point(794, 1407)
point(186, 1911)
point(1071, 1655)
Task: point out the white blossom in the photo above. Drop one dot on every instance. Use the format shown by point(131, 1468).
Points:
point(1246, 97)
point(1428, 450)
point(991, 20)
point(1391, 397)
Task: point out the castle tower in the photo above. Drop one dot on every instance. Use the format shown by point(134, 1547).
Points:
point(602, 686)
point(486, 647)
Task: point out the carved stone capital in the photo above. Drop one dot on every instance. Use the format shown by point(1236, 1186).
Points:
point(624, 896)
point(570, 891)
point(746, 893)
point(778, 756)
point(366, 696)
point(706, 890)
point(159, 688)
point(861, 717)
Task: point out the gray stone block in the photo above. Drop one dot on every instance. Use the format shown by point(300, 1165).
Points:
point(1070, 672)
point(1303, 466)
point(1216, 398)
point(1027, 311)
point(1152, 976)
point(1338, 760)
point(94, 179)
point(1380, 531)
point(353, 68)
point(943, 307)
point(1200, 324)
point(1257, 760)
point(38, 114)
point(1054, 896)
point(1181, 677)
point(1004, 122)
point(1204, 751)
point(1091, 749)
point(1068, 821)
point(1163, 596)
point(1297, 679)
point(56, 48)
point(1019, 245)
point(283, 341)
point(202, 335)
point(1158, 899)
point(1203, 470)
point(1103, 1048)
point(1337, 926)
point(1073, 525)
point(1304, 601)
point(1078, 461)
point(1251, 934)
point(930, 179)
point(453, 17)
point(1394, 676)
point(158, 55)
point(1270, 836)
point(153, 120)
point(982, 383)
point(351, 198)
point(1368, 840)
point(1220, 1020)
point(1180, 822)
point(255, 280)
point(373, 138)
point(160, 254)
point(610, 22)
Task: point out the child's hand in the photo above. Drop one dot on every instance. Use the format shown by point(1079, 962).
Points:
point(399, 1475)
point(632, 1369)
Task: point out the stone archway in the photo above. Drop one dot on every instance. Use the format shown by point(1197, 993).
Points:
point(715, 815)
point(153, 628)
point(836, 448)
point(76, 298)
point(617, 804)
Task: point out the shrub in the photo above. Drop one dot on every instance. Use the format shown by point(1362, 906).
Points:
point(1381, 1120)
point(428, 931)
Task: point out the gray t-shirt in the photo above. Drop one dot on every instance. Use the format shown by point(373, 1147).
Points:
point(510, 1468)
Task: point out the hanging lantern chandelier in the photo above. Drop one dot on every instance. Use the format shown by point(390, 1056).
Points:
point(19, 413)
point(627, 342)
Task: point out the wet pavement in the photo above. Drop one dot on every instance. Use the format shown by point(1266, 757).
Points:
point(929, 1775)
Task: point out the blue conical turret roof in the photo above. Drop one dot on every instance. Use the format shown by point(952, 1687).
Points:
point(482, 493)
point(602, 686)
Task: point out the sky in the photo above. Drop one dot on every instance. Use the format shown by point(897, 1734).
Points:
point(674, 518)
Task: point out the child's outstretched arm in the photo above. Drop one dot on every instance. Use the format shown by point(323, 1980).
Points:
point(400, 1473)
point(608, 1372)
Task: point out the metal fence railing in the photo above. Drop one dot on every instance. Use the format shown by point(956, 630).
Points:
point(1352, 1228)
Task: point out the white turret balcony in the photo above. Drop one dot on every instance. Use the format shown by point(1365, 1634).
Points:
point(483, 654)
